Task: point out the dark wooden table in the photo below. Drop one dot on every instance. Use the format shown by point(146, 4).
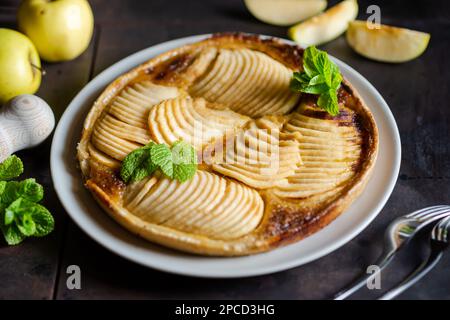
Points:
point(417, 92)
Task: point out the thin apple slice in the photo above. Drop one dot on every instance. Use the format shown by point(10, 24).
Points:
point(326, 26)
point(284, 12)
point(386, 43)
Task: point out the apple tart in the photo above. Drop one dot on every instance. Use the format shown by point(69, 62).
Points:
point(273, 166)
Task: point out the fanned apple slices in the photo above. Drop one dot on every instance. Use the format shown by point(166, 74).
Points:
point(123, 127)
point(273, 166)
point(330, 150)
point(192, 120)
point(207, 205)
point(259, 155)
point(248, 82)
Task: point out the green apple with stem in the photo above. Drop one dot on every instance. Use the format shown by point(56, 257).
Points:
point(60, 29)
point(20, 66)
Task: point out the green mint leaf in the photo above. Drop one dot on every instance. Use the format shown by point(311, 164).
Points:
point(321, 77)
point(2, 187)
point(28, 189)
point(132, 162)
point(11, 168)
point(324, 66)
point(309, 61)
point(328, 101)
point(178, 162)
point(185, 161)
point(151, 167)
point(297, 85)
point(334, 68)
point(26, 225)
point(43, 219)
point(161, 156)
point(12, 234)
point(183, 153)
point(303, 78)
point(9, 217)
point(20, 215)
point(139, 174)
point(336, 81)
point(317, 89)
point(31, 190)
point(18, 208)
point(135, 165)
point(184, 172)
point(11, 192)
point(31, 219)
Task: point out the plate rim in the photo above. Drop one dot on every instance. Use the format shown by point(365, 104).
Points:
point(77, 104)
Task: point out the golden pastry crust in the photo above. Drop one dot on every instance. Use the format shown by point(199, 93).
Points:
point(285, 220)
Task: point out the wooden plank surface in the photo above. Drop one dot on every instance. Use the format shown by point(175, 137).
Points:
point(417, 93)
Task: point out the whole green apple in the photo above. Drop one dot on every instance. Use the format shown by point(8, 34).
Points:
point(20, 66)
point(60, 29)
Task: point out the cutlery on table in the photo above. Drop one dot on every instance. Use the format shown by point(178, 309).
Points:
point(439, 241)
point(398, 234)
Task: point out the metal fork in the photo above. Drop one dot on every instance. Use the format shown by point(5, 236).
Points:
point(439, 241)
point(398, 234)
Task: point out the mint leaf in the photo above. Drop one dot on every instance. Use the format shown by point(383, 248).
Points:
point(161, 156)
point(309, 61)
point(28, 189)
point(135, 166)
point(26, 225)
point(11, 192)
point(11, 168)
point(132, 163)
point(43, 219)
point(18, 208)
point(31, 190)
point(9, 217)
point(324, 66)
point(315, 89)
point(328, 101)
point(185, 172)
point(12, 234)
point(336, 81)
point(178, 162)
point(20, 215)
point(2, 187)
point(185, 161)
point(321, 77)
point(31, 218)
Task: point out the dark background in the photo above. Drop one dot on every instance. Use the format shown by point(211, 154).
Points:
point(417, 92)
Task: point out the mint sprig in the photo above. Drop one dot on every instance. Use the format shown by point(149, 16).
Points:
point(11, 168)
point(21, 215)
point(136, 166)
point(178, 162)
point(184, 160)
point(320, 76)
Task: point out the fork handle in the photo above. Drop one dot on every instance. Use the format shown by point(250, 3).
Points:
point(415, 276)
point(357, 284)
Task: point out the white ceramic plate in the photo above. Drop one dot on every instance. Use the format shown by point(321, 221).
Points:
point(96, 223)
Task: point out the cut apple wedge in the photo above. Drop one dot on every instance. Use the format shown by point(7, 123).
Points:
point(326, 26)
point(386, 43)
point(284, 12)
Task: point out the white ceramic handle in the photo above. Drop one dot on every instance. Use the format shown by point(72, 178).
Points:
point(25, 122)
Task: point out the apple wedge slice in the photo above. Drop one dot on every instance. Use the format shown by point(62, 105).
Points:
point(386, 43)
point(326, 26)
point(284, 12)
